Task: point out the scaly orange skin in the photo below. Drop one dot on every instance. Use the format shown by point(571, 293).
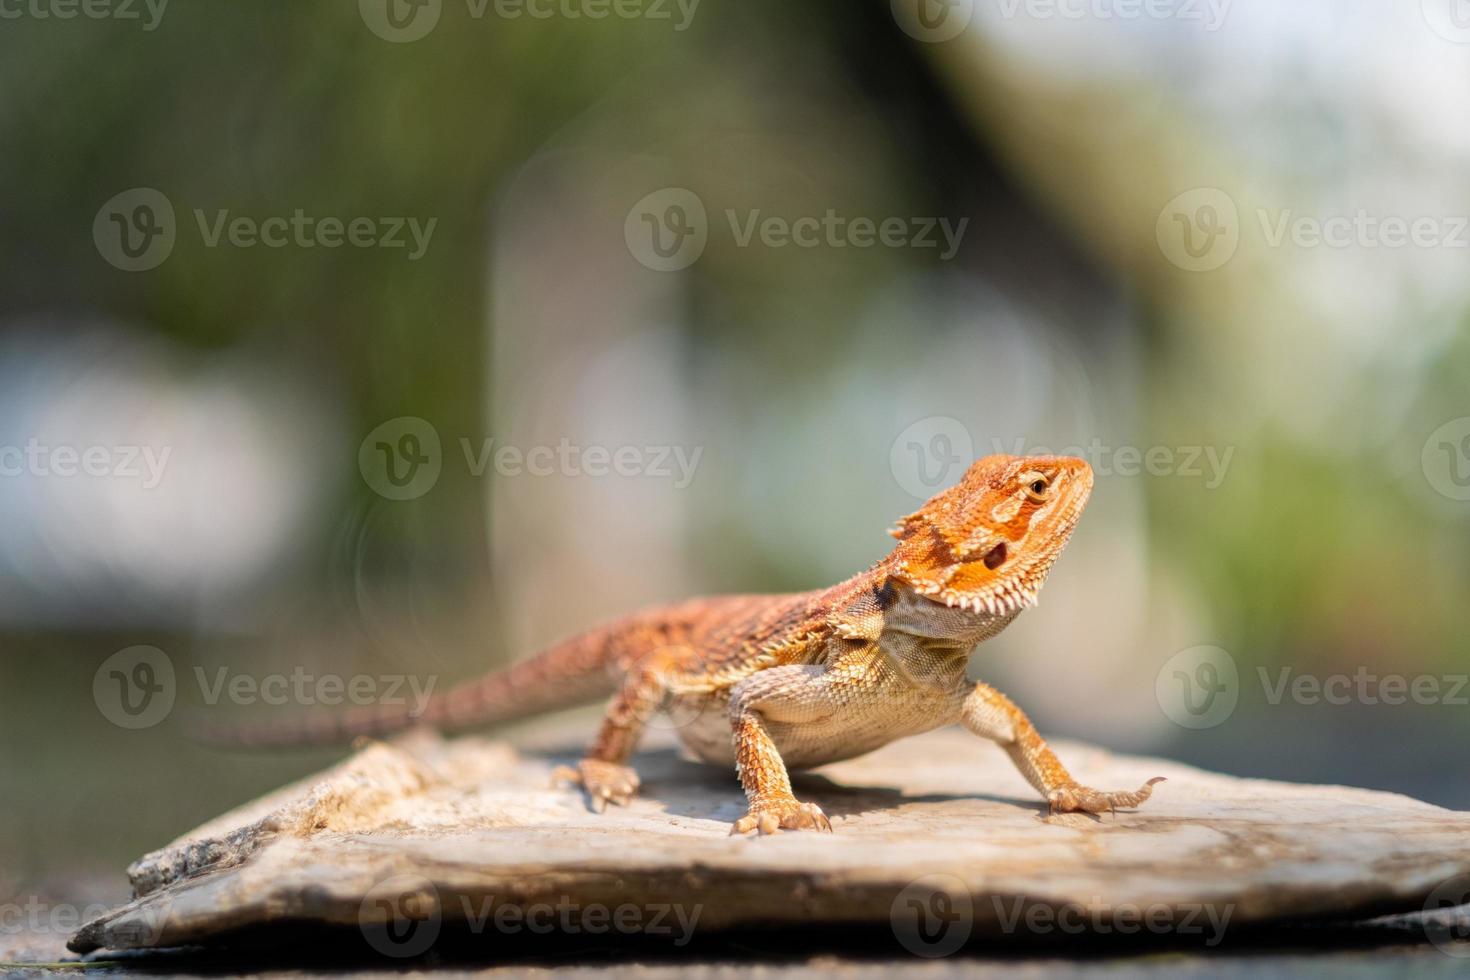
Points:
point(771, 681)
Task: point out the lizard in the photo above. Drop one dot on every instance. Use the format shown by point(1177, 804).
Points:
point(771, 683)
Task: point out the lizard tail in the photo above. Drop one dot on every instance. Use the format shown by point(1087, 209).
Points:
point(570, 673)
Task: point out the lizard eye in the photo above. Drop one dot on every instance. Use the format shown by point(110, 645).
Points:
point(1038, 488)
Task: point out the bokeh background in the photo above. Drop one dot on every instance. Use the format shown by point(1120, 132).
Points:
point(1277, 417)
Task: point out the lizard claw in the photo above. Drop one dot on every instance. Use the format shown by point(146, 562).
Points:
point(789, 814)
point(1074, 797)
point(604, 782)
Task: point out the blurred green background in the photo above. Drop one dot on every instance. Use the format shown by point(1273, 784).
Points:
point(1136, 271)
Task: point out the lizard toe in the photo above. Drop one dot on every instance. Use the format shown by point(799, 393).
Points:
point(807, 816)
point(743, 826)
point(820, 820)
point(772, 818)
point(603, 782)
point(1073, 798)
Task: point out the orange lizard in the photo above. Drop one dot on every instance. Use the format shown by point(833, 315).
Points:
point(776, 682)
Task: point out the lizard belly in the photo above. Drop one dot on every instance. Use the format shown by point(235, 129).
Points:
point(703, 725)
point(846, 735)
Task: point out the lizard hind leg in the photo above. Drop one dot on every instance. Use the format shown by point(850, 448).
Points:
point(604, 774)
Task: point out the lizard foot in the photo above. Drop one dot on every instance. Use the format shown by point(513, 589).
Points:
point(778, 815)
point(1073, 797)
point(604, 782)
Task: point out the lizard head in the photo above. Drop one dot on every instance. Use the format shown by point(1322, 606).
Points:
point(987, 542)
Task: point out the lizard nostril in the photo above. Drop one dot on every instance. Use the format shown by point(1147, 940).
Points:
point(995, 556)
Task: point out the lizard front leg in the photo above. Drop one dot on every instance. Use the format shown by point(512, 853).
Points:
point(785, 694)
point(990, 714)
point(604, 773)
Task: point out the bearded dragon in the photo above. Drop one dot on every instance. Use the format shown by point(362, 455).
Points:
point(770, 683)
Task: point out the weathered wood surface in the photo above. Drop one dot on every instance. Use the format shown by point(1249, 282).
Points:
point(937, 840)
